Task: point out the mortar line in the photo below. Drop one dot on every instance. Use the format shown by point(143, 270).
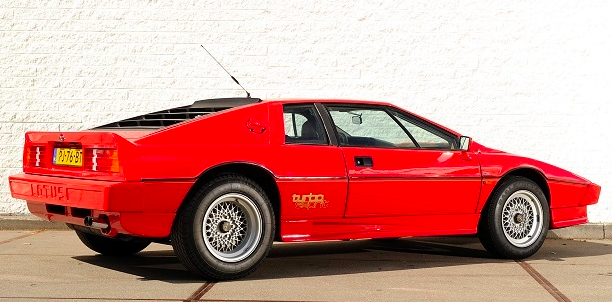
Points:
point(21, 237)
point(549, 287)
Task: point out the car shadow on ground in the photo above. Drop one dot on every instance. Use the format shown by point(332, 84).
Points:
point(310, 259)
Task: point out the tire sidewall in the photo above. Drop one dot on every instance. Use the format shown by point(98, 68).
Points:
point(265, 239)
point(499, 237)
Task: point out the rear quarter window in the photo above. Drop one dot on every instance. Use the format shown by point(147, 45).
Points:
point(303, 125)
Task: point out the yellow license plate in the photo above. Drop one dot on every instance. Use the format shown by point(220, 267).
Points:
point(68, 157)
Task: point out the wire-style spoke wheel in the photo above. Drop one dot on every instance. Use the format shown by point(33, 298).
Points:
point(515, 220)
point(232, 227)
point(522, 218)
point(226, 228)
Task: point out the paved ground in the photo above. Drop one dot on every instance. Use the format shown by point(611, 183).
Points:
point(55, 266)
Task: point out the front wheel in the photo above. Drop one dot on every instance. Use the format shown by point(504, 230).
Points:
point(225, 230)
point(515, 222)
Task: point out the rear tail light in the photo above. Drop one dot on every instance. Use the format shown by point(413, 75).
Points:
point(35, 156)
point(101, 160)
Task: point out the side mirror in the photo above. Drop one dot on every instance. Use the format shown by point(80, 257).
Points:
point(356, 119)
point(464, 143)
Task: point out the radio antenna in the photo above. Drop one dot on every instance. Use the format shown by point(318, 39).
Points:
point(231, 76)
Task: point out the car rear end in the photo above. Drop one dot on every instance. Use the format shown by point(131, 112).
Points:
point(87, 179)
point(92, 179)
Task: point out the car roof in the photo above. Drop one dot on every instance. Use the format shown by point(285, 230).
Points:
point(317, 100)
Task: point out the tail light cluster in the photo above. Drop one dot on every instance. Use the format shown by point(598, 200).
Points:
point(101, 160)
point(94, 159)
point(35, 156)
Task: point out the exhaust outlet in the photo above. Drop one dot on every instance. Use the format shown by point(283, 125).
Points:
point(97, 223)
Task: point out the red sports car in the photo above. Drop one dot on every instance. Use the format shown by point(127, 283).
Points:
point(222, 179)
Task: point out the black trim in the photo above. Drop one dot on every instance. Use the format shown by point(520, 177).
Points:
point(330, 129)
point(416, 144)
point(293, 122)
point(168, 117)
point(224, 102)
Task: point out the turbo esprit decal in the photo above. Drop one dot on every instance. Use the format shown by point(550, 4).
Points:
point(310, 201)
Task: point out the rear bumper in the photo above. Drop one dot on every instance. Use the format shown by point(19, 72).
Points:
point(144, 209)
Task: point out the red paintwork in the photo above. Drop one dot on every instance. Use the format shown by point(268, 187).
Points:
point(412, 182)
point(406, 193)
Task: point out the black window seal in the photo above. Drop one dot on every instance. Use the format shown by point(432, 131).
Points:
point(317, 114)
point(416, 144)
point(328, 124)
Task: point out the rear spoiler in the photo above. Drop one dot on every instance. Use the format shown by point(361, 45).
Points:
point(165, 118)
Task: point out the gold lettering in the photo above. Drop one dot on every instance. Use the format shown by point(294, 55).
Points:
point(310, 201)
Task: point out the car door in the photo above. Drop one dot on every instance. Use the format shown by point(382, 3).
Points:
point(400, 165)
point(308, 164)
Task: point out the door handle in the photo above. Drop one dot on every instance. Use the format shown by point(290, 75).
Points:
point(363, 161)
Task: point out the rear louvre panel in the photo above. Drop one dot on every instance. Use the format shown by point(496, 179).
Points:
point(161, 119)
point(165, 118)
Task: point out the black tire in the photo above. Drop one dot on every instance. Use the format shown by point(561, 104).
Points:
point(111, 247)
point(188, 232)
point(388, 239)
point(491, 230)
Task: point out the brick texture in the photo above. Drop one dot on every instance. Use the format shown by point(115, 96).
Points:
point(529, 77)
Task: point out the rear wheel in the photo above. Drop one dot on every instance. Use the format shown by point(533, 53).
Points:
point(225, 230)
point(111, 247)
point(515, 222)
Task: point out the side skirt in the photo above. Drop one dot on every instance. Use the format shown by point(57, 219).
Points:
point(378, 227)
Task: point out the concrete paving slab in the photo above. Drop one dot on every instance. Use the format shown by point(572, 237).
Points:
point(29, 222)
point(583, 231)
point(6, 235)
point(582, 270)
point(55, 266)
point(403, 270)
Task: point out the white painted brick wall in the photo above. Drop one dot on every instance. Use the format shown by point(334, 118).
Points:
point(529, 77)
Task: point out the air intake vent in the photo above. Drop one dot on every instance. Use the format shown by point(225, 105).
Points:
point(165, 118)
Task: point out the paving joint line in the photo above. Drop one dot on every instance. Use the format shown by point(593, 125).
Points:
point(549, 287)
point(200, 292)
point(21, 237)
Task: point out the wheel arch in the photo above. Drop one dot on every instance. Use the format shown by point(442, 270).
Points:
point(258, 173)
point(530, 173)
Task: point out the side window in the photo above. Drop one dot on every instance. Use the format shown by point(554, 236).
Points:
point(425, 138)
point(368, 127)
point(303, 125)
